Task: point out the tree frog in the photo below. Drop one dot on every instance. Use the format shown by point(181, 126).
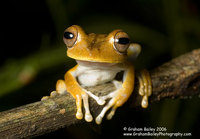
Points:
point(99, 58)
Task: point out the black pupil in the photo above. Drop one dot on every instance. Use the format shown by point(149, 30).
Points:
point(68, 35)
point(123, 40)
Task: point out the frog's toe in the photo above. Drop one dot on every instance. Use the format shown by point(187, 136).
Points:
point(101, 101)
point(144, 102)
point(61, 87)
point(99, 119)
point(88, 117)
point(112, 113)
point(54, 94)
point(79, 115)
point(45, 98)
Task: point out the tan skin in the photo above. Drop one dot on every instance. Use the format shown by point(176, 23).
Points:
point(100, 57)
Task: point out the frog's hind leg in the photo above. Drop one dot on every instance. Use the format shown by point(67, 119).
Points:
point(145, 87)
point(61, 87)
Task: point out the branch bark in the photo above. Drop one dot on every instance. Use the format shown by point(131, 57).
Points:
point(178, 78)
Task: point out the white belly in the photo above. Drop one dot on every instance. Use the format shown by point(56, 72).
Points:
point(88, 76)
point(95, 77)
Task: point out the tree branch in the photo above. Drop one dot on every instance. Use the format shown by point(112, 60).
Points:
point(179, 78)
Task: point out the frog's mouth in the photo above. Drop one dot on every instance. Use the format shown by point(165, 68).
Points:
point(94, 63)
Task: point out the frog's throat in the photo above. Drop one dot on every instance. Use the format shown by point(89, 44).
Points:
point(94, 63)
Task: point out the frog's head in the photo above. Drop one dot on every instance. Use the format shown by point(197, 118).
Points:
point(111, 48)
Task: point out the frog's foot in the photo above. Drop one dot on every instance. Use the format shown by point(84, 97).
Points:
point(60, 89)
point(52, 95)
point(116, 101)
point(79, 114)
point(102, 99)
point(45, 98)
point(99, 100)
point(145, 87)
point(110, 104)
point(118, 98)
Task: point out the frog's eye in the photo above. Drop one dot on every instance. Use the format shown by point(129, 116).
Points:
point(70, 36)
point(121, 42)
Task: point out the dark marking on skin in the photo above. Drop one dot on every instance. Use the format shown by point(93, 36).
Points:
point(96, 41)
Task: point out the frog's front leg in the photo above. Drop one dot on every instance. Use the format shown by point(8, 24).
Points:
point(120, 95)
point(73, 87)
